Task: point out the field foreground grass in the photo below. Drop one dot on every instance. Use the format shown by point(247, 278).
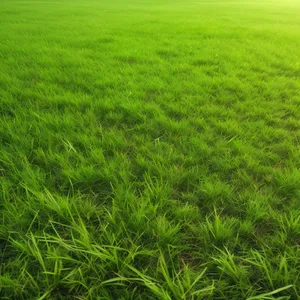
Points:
point(149, 149)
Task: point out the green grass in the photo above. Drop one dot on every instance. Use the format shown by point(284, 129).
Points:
point(150, 149)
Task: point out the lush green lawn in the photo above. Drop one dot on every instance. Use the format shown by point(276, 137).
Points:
point(149, 149)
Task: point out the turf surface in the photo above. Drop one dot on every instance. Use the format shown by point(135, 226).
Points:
point(149, 149)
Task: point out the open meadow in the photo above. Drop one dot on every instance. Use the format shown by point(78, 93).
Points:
point(150, 149)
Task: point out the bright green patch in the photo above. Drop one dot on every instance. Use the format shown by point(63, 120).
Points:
point(150, 149)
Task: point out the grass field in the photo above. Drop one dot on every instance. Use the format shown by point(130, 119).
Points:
point(150, 149)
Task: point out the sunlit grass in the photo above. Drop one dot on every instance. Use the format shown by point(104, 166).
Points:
point(149, 149)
